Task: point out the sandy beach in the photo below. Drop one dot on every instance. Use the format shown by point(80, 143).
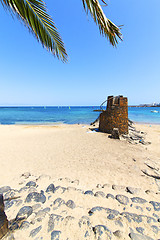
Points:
point(74, 157)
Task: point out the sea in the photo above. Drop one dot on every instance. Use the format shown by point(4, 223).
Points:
point(47, 115)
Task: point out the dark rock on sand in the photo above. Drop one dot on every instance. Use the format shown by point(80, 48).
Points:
point(99, 194)
point(133, 190)
point(58, 202)
point(155, 229)
point(119, 223)
point(132, 216)
point(53, 220)
point(14, 226)
point(140, 229)
point(24, 225)
point(118, 234)
point(8, 204)
point(138, 200)
point(110, 196)
point(4, 189)
point(118, 187)
point(70, 204)
point(112, 211)
point(24, 212)
point(55, 235)
point(111, 216)
point(102, 231)
point(89, 193)
point(36, 206)
point(156, 205)
point(34, 232)
point(31, 184)
point(122, 199)
point(51, 188)
point(151, 219)
point(84, 221)
point(94, 209)
point(37, 197)
point(135, 236)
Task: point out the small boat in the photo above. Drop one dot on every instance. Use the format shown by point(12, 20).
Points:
point(154, 111)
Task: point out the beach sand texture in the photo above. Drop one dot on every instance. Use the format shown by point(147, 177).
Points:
point(77, 160)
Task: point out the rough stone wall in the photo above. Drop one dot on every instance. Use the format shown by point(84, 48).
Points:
point(115, 116)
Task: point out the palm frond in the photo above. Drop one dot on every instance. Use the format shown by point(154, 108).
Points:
point(34, 14)
point(106, 27)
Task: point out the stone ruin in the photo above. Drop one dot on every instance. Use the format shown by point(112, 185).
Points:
point(115, 117)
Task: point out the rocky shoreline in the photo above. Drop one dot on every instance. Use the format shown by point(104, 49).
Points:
point(61, 209)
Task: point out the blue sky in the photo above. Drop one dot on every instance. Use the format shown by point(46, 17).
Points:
point(29, 75)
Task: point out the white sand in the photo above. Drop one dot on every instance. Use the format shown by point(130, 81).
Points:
point(75, 152)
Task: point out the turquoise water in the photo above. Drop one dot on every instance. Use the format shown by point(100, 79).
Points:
point(68, 115)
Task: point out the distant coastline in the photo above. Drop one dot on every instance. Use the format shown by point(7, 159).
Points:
point(145, 105)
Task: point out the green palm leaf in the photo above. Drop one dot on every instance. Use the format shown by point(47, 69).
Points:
point(106, 27)
point(34, 15)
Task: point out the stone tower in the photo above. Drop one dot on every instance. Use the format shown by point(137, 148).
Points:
point(115, 115)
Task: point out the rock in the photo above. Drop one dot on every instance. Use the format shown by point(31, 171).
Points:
point(138, 200)
point(23, 189)
point(140, 229)
point(132, 216)
point(24, 225)
point(36, 206)
point(94, 209)
point(155, 229)
point(26, 175)
point(106, 185)
point(14, 226)
point(110, 196)
point(31, 184)
point(115, 133)
point(34, 232)
point(70, 204)
point(122, 199)
point(118, 187)
point(135, 236)
point(99, 194)
point(139, 208)
point(84, 221)
point(111, 216)
point(119, 223)
point(68, 219)
point(156, 205)
point(102, 232)
point(37, 197)
point(24, 212)
point(10, 194)
point(4, 189)
point(53, 220)
point(118, 234)
point(112, 211)
point(32, 189)
point(40, 215)
point(55, 235)
point(75, 182)
point(133, 190)
point(89, 193)
point(151, 219)
point(58, 202)
point(61, 190)
point(148, 208)
point(51, 188)
point(9, 204)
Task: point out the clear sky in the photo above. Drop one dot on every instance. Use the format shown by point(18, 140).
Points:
point(29, 75)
